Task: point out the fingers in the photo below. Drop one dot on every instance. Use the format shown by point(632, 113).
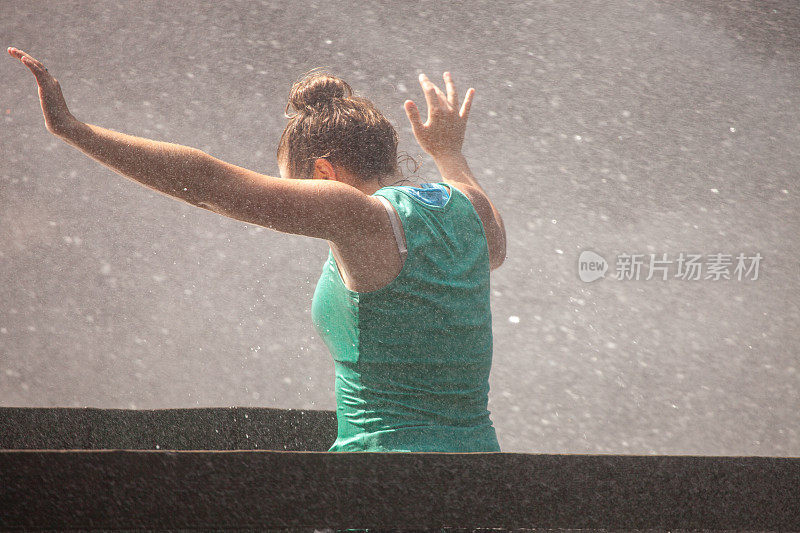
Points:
point(452, 94)
point(430, 95)
point(441, 97)
point(19, 54)
point(36, 66)
point(437, 100)
point(16, 52)
point(464, 114)
point(413, 116)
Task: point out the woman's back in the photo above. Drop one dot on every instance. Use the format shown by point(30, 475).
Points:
point(412, 358)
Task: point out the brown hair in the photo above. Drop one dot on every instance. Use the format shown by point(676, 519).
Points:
point(330, 122)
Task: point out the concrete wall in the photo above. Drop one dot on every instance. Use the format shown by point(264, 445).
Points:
point(134, 486)
point(234, 428)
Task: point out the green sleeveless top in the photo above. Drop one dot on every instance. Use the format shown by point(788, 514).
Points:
point(412, 358)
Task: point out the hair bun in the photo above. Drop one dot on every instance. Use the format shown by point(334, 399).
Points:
point(316, 90)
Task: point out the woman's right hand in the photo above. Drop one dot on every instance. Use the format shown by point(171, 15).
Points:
point(443, 133)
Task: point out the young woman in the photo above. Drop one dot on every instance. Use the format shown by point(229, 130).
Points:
point(403, 299)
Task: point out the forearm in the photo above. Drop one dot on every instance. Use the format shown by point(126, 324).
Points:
point(172, 169)
point(454, 168)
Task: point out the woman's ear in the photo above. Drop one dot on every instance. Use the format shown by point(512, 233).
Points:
point(324, 170)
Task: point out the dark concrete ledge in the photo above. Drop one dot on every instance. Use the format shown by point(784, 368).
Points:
point(117, 489)
point(234, 428)
point(298, 490)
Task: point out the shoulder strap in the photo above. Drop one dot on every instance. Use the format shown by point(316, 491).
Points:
point(393, 217)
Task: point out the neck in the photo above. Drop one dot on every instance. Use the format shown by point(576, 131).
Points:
point(369, 187)
point(366, 186)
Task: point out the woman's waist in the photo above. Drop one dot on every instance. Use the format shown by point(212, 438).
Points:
point(362, 414)
point(419, 438)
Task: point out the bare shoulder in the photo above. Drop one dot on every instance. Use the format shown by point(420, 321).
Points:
point(368, 256)
point(495, 232)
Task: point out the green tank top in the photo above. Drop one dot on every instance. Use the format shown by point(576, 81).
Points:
point(412, 359)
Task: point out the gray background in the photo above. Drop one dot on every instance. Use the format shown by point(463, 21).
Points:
point(617, 126)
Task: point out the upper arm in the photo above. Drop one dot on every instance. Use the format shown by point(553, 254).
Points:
point(492, 227)
point(325, 209)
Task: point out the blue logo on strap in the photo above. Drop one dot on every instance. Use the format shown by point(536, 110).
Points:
point(434, 194)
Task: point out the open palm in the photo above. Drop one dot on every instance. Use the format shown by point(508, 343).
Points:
point(56, 114)
point(443, 132)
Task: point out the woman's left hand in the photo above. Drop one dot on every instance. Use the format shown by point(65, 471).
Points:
point(57, 117)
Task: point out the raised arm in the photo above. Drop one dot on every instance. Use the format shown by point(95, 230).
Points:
point(325, 209)
point(441, 136)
